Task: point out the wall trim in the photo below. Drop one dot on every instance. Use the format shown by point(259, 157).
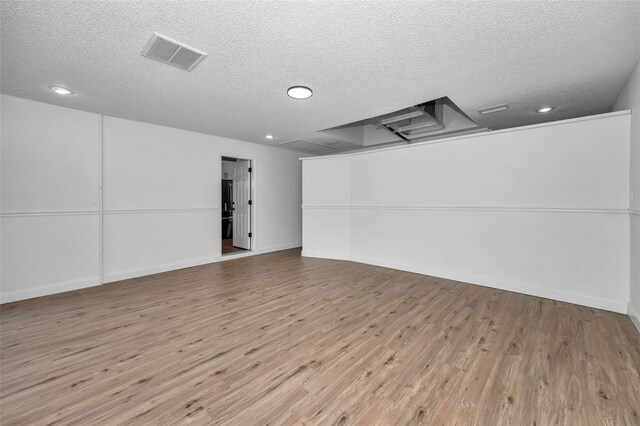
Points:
point(634, 315)
point(156, 269)
point(615, 211)
point(279, 247)
point(547, 293)
point(473, 135)
point(271, 249)
point(101, 156)
point(61, 287)
point(162, 210)
point(325, 255)
point(45, 290)
point(56, 213)
point(188, 263)
point(105, 211)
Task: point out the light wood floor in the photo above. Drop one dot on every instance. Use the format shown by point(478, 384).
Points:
point(280, 339)
point(227, 246)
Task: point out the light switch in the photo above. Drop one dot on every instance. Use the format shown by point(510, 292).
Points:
point(93, 200)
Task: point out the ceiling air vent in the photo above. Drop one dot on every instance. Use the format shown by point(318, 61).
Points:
point(492, 109)
point(171, 52)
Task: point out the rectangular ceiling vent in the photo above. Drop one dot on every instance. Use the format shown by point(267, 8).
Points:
point(492, 109)
point(171, 52)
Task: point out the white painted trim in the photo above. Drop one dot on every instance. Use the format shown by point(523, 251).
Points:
point(325, 255)
point(156, 269)
point(57, 213)
point(97, 212)
point(29, 293)
point(634, 315)
point(554, 294)
point(475, 135)
point(613, 210)
point(248, 253)
point(280, 247)
point(253, 194)
point(237, 255)
point(326, 207)
point(163, 210)
point(61, 287)
point(101, 202)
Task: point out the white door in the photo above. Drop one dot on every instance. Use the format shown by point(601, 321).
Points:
point(241, 207)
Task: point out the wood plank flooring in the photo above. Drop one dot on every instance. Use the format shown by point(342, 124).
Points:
point(227, 246)
point(280, 339)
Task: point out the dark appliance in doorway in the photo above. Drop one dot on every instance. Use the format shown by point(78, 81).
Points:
point(227, 209)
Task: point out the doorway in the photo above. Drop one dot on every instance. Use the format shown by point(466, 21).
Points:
point(236, 205)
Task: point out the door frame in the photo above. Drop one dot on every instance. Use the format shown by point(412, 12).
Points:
point(252, 207)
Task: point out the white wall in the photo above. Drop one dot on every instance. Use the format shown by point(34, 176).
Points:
point(162, 192)
point(327, 227)
point(629, 98)
point(539, 210)
point(160, 206)
point(160, 198)
point(50, 227)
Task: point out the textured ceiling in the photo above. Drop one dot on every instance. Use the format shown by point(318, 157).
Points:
point(362, 59)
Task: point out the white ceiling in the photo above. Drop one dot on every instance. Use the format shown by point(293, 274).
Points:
point(362, 59)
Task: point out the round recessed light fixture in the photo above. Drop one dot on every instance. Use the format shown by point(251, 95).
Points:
point(269, 136)
point(545, 109)
point(299, 92)
point(21, 92)
point(60, 90)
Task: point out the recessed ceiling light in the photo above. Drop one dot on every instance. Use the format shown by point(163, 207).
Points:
point(21, 92)
point(545, 109)
point(299, 92)
point(269, 136)
point(60, 90)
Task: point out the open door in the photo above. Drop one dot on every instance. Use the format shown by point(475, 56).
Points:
point(242, 204)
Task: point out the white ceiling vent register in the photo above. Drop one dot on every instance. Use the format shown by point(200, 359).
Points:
point(492, 109)
point(171, 52)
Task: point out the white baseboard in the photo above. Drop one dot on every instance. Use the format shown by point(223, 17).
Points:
point(265, 250)
point(547, 293)
point(45, 290)
point(279, 247)
point(325, 255)
point(634, 315)
point(606, 304)
point(156, 269)
point(29, 293)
